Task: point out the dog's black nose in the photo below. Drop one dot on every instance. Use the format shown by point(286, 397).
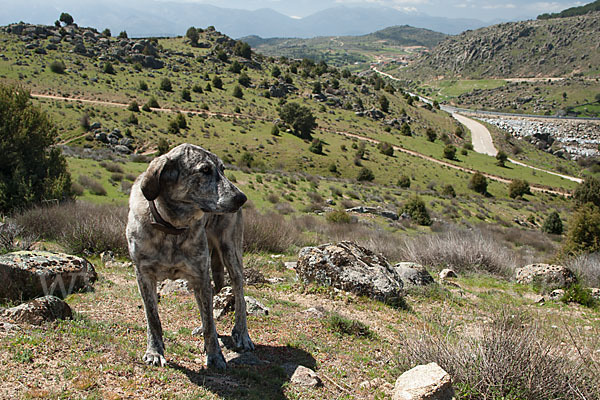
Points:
point(240, 199)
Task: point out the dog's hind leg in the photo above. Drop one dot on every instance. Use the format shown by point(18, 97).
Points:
point(155, 349)
point(231, 255)
point(218, 271)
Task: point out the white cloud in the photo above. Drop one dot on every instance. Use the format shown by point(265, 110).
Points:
point(498, 6)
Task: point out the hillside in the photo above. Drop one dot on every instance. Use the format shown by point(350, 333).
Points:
point(541, 48)
point(573, 11)
point(381, 168)
point(392, 42)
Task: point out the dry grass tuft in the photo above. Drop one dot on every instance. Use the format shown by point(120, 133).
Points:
point(269, 232)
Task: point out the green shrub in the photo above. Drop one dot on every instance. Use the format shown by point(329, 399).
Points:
point(316, 146)
point(518, 188)
point(244, 79)
point(143, 85)
point(431, 135)
point(478, 183)
point(450, 152)
point(345, 326)
point(186, 95)
point(165, 84)
point(405, 129)
point(153, 103)
point(588, 192)
point(163, 146)
point(132, 119)
point(108, 68)
point(217, 82)
point(365, 174)
point(404, 182)
point(338, 217)
point(415, 207)
point(501, 158)
point(300, 118)
point(133, 106)
point(197, 88)
point(580, 295)
point(386, 148)
point(31, 169)
point(584, 231)
point(237, 92)
point(58, 67)
point(384, 103)
point(553, 224)
point(448, 190)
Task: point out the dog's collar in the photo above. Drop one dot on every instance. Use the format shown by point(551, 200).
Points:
point(162, 225)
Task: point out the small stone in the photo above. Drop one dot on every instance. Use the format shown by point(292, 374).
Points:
point(290, 264)
point(315, 312)
point(301, 375)
point(413, 274)
point(38, 311)
point(557, 294)
point(174, 287)
point(447, 273)
point(424, 382)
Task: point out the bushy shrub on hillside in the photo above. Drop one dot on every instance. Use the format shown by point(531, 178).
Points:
point(518, 188)
point(553, 224)
point(166, 85)
point(404, 182)
point(31, 170)
point(415, 207)
point(365, 174)
point(584, 231)
point(300, 118)
point(588, 192)
point(58, 67)
point(269, 232)
point(478, 183)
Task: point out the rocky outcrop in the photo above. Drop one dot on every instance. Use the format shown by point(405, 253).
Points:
point(350, 267)
point(29, 274)
point(547, 275)
point(413, 274)
point(38, 311)
point(374, 210)
point(424, 382)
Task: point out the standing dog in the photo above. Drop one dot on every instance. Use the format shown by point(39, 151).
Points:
point(184, 218)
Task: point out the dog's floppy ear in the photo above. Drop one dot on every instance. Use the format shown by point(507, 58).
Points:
point(160, 170)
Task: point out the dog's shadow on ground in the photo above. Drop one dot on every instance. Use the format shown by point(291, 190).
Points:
point(256, 375)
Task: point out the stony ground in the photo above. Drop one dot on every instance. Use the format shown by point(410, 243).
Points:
point(98, 353)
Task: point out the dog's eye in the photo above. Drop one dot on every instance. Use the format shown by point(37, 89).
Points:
point(205, 169)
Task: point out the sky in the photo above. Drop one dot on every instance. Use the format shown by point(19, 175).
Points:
point(485, 10)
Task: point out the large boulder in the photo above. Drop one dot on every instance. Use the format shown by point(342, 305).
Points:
point(38, 311)
point(548, 275)
point(30, 274)
point(413, 274)
point(350, 267)
point(424, 382)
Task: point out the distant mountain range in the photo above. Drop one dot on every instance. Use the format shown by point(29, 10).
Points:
point(142, 18)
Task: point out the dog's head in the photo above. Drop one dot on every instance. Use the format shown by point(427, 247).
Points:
point(191, 179)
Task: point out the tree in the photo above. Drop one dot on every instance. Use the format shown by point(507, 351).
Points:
point(450, 152)
point(478, 183)
point(217, 82)
point(275, 72)
point(31, 170)
point(553, 224)
point(300, 118)
point(431, 135)
point(165, 84)
point(106, 33)
point(163, 146)
point(316, 146)
point(584, 231)
point(108, 68)
point(193, 36)
point(518, 188)
point(66, 18)
point(448, 190)
point(123, 35)
point(235, 67)
point(384, 103)
point(242, 49)
point(181, 121)
point(415, 207)
point(405, 129)
point(316, 87)
point(58, 67)
point(365, 174)
point(501, 158)
point(588, 192)
point(186, 95)
point(237, 92)
point(404, 182)
point(386, 148)
point(244, 79)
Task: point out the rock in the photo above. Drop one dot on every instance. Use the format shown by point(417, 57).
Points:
point(7, 326)
point(107, 256)
point(255, 307)
point(95, 125)
point(101, 137)
point(224, 303)
point(595, 293)
point(38, 311)
point(315, 312)
point(378, 383)
point(174, 287)
point(553, 276)
point(413, 274)
point(557, 294)
point(447, 273)
point(301, 375)
point(424, 382)
point(290, 264)
point(350, 267)
point(29, 274)
point(122, 149)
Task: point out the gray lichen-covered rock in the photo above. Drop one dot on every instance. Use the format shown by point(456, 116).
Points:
point(29, 274)
point(350, 267)
point(38, 311)
point(301, 375)
point(424, 382)
point(413, 274)
point(224, 303)
point(554, 276)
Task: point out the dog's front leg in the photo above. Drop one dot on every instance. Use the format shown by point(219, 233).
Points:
point(155, 349)
point(203, 294)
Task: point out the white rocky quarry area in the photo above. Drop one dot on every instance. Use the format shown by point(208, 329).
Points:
point(569, 138)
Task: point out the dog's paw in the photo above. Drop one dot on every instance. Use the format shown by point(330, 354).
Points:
point(153, 358)
point(216, 361)
point(242, 341)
